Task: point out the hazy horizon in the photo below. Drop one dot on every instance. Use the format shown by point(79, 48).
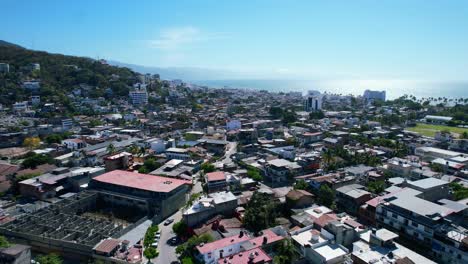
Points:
point(384, 40)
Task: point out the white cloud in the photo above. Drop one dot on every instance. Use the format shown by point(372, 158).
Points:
point(179, 37)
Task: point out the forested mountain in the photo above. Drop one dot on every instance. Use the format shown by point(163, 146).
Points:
point(58, 75)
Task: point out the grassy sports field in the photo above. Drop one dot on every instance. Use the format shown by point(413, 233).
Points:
point(430, 130)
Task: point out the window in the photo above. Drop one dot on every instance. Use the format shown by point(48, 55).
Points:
point(414, 224)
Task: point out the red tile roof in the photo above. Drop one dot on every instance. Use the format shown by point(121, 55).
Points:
point(216, 176)
point(107, 246)
point(270, 235)
point(7, 169)
point(222, 243)
point(255, 255)
point(140, 181)
point(323, 220)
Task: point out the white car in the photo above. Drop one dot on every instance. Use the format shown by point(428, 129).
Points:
point(157, 236)
point(155, 244)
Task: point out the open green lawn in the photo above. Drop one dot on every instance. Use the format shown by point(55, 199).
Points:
point(430, 130)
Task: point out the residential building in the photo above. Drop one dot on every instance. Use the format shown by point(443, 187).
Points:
point(32, 85)
point(20, 106)
point(431, 153)
point(379, 247)
point(216, 181)
point(220, 203)
point(374, 95)
point(233, 124)
point(74, 143)
point(4, 67)
point(350, 197)
point(139, 95)
point(280, 171)
point(211, 252)
point(15, 254)
point(437, 227)
point(177, 153)
point(313, 101)
point(120, 161)
point(57, 182)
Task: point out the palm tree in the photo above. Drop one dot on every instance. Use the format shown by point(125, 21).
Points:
point(111, 149)
point(141, 151)
point(327, 157)
point(134, 149)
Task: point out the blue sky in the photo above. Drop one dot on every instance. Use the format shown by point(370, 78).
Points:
point(291, 39)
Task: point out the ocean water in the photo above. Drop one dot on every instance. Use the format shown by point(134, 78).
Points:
point(394, 88)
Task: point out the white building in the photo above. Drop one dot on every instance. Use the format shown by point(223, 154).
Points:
point(210, 253)
point(32, 85)
point(440, 120)
point(67, 124)
point(233, 125)
point(20, 106)
point(35, 66)
point(4, 67)
point(74, 143)
point(177, 153)
point(157, 145)
point(139, 95)
point(374, 95)
point(313, 101)
point(35, 99)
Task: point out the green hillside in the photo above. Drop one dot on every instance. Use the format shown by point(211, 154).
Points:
point(59, 75)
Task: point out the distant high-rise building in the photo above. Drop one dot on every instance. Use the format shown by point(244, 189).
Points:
point(4, 67)
point(139, 95)
point(374, 95)
point(313, 101)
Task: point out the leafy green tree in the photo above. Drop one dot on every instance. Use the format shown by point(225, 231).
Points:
point(376, 187)
point(436, 167)
point(149, 165)
point(254, 174)
point(150, 253)
point(459, 191)
point(188, 249)
point(33, 160)
point(301, 185)
point(53, 138)
point(111, 149)
point(187, 260)
point(180, 229)
point(286, 253)
point(4, 242)
point(276, 112)
point(149, 235)
point(49, 259)
point(326, 195)
point(464, 135)
point(207, 167)
point(260, 212)
point(316, 115)
point(289, 117)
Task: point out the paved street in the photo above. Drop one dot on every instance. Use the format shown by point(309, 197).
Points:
point(232, 148)
point(167, 252)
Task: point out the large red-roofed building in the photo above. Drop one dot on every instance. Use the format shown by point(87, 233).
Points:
point(159, 196)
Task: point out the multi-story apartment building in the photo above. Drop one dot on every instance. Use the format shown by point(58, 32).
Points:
point(438, 227)
point(139, 95)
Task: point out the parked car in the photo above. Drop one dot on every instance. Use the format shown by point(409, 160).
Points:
point(155, 244)
point(168, 221)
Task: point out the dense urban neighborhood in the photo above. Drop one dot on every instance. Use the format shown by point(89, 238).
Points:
point(101, 164)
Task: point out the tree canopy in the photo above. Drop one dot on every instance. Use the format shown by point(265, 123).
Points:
point(260, 212)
